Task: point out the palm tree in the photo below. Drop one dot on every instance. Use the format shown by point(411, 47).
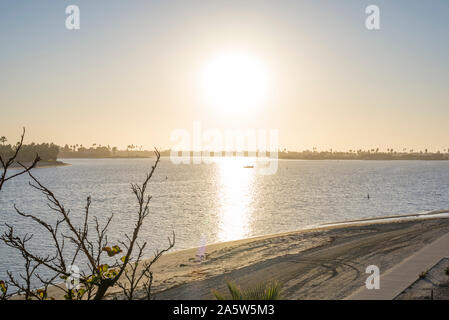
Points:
point(263, 291)
point(129, 147)
point(3, 140)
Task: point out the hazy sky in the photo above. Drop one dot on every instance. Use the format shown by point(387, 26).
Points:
point(131, 74)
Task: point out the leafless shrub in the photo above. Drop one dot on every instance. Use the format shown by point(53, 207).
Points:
point(99, 276)
point(139, 273)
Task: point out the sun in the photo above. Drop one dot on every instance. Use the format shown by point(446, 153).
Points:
point(235, 83)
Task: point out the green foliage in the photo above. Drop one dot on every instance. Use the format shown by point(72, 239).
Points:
point(3, 289)
point(112, 251)
point(104, 272)
point(41, 294)
point(74, 294)
point(263, 291)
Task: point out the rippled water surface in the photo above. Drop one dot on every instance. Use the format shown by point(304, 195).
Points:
point(223, 201)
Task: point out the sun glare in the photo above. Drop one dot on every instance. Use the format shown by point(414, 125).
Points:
point(235, 83)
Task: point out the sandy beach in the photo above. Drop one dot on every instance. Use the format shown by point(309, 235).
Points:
point(322, 263)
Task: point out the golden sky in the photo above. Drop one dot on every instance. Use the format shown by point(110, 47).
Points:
point(137, 70)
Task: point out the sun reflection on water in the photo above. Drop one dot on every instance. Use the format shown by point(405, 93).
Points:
point(236, 192)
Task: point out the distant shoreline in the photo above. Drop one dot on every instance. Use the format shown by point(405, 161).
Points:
point(280, 158)
point(111, 157)
point(287, 155)
point(41, 164)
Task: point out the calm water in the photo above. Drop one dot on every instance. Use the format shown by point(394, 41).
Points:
point(224, 201)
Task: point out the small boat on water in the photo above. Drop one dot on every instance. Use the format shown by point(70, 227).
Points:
point(248, 167)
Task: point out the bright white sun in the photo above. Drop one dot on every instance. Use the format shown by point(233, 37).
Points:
point(235, 83)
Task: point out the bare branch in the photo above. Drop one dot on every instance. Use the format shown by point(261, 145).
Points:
point(7, 164)
point(95, 282)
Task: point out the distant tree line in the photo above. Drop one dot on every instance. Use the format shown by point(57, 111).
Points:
point(373, 154)
point(28, 152)
point(50, 152)
point(99, 151)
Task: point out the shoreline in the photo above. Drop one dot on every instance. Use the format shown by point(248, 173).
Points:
point(40, 164)
point(434, 214)
point(279, 158)
point(423, 215)
point(325, 262)
point(338, 253)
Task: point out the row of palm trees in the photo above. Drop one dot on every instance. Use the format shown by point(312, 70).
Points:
point(77, 147)
point(377, 150)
